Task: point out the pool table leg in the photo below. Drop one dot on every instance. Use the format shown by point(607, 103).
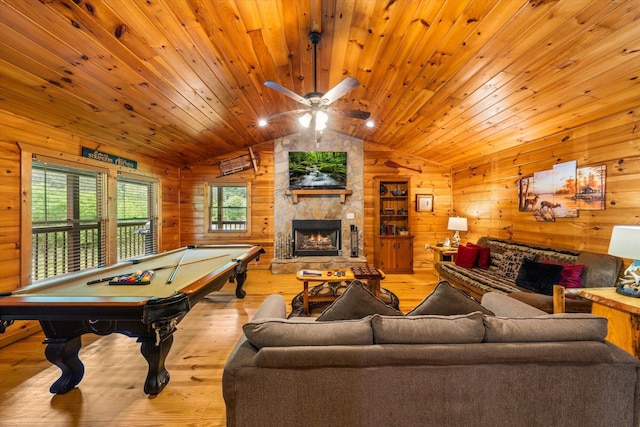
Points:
point(63, 352)
point(240, 279)
point(157, 376)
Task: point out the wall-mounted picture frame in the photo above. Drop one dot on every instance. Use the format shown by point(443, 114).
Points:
point(424, 202)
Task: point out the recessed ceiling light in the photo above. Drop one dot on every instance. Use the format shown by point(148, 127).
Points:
point(262, 122)
point(370, 123)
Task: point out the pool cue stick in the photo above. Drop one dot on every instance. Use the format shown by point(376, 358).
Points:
point(173, 273)
point(175, 270)
point(193, 261)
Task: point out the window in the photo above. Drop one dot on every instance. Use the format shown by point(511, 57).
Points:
point(67, 208)
point(73, 228)
point(228, 208)
point(137, 217)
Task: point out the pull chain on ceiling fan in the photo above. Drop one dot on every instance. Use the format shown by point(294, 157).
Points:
point(317, 103)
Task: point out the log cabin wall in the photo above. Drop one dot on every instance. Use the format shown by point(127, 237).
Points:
point(429, 227)
point(194, 180)
point(16, 130)
point(485, 189)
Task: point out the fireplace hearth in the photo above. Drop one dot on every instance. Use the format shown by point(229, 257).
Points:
point(317, 237)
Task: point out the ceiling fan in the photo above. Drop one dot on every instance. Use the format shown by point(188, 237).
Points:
point(316, 103)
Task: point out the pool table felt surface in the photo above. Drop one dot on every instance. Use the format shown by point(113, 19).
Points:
point(75, 288)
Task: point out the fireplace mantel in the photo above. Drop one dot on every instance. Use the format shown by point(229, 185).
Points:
point(318, 192)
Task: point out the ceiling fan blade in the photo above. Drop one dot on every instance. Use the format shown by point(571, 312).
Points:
point(339, 90)
point(354, 114)
point(286, 113)
point(283, 90)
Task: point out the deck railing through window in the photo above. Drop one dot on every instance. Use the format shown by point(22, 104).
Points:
point(61, 249)
point(229, 225)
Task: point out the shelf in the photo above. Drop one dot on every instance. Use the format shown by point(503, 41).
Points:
point(342, 193)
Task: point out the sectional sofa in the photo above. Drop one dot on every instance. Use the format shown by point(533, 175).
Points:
point(517, 367)
point(502, 271)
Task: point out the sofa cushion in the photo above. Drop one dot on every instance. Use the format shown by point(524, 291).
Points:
point(571, 275)
point(306, 331)
point(538, 276)
point(511, 262)
point(466, 328)
point(484, 256)
point(356, 302)
point(466, 256)
point(446, 300)
point(546, 328)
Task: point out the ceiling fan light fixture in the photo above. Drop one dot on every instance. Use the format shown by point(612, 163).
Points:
point(321, 120)
point(305, 120)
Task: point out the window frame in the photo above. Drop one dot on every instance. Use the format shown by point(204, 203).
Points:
point(207, 209)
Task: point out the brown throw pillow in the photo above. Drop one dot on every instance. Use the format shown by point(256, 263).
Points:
point(447, 300)
point(355, 303)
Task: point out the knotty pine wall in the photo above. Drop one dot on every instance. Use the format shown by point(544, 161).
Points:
point(193, 183)
point(486, 192)
point(428, 227)
point(15, 130)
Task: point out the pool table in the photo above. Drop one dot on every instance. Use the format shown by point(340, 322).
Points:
point(102, 302)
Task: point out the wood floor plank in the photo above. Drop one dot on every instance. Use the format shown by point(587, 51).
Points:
point(111, 392)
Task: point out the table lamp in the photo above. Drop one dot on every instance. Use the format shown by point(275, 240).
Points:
point(625, 243)
point(457, 224)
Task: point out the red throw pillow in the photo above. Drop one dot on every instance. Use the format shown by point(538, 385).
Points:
point(570, 277)
point(484, 256)
point(466, 256)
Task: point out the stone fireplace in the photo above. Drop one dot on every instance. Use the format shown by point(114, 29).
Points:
point(316, 237)
point(327, 207)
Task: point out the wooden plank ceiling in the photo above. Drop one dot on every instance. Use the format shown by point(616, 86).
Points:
point(183, 80)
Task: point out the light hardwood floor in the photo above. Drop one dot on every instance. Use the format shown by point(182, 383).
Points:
point(111, 392)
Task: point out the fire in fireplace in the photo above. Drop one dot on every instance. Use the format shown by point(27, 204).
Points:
point(317, 237)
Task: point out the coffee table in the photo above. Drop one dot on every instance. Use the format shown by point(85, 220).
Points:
point(336, 276)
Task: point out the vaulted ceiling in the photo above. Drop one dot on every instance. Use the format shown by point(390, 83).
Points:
point(445, 80)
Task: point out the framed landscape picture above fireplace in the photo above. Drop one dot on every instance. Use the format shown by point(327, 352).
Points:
point(317, 170)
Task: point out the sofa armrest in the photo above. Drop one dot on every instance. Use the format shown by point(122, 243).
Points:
point(504, 306)
point(243, 353)
point(273, 306)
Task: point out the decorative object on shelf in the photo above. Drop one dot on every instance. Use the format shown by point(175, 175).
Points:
point(457, 224)
point(625, 243)
point(383, 189)
point(424, 203)
point(403, 212)
point(395, 165)
point(240, 163)
point(388, 212)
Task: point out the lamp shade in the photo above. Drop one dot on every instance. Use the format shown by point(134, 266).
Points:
point(457, 223)
point(625, 241)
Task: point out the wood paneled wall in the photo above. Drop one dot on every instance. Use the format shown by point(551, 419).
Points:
point(486, 191)
point(193, 181)
point(429, 227)
point(15, 130)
